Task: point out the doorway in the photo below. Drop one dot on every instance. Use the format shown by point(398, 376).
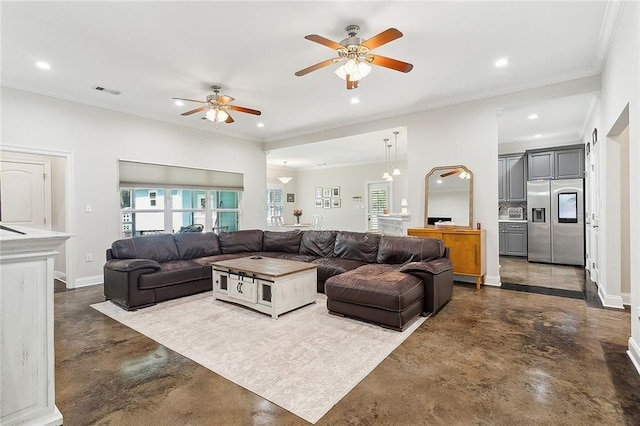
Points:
point(25, 192)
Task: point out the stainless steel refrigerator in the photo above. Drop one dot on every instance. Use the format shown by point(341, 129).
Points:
point(555, 219)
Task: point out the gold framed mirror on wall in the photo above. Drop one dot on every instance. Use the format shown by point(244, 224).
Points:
point(448, 196)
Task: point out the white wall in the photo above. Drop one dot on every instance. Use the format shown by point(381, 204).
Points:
point(98, 138)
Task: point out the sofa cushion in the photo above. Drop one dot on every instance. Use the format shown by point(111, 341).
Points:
point(287, 242)
point(172, 273)
point(393, 250)
point(318, 243)
point(130, 265)
point(240, 241)
point(160, 247)
point(378, 286)
point(193, 244)
point(328, 267)
point(362, 246)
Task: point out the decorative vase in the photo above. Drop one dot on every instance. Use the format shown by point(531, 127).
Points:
point(298, 220)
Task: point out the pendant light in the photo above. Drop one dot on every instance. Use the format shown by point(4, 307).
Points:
point(386, 174)
point(396, 170)
point(390, 177)
point(285, 179)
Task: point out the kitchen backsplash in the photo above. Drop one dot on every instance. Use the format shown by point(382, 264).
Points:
point(504, 205)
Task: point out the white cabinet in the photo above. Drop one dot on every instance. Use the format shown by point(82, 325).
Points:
point(26, 325)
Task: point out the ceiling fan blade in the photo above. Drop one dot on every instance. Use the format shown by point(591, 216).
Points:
point(193, 111)
point(324, 41)
point(382, 38)
point(190, 100)
point(317, 66)
point(243, 109)
point(224, 99)
point(229, 119)
point(393, 64)
point(452, 172)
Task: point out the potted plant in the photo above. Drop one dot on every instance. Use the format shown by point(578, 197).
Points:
point(297, 214)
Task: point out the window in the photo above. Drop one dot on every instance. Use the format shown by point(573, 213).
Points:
point(275, 202)
point(146, 211)
point(378, 203)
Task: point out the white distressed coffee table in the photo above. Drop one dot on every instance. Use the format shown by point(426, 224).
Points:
point(268, 285)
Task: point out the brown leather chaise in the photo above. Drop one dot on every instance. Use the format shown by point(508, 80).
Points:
point(391, 291)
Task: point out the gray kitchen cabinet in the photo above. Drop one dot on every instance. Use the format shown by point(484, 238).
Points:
point(567, 163)
point(540, 165)
point(502, 239)
point(512, 178)
point(512, 239)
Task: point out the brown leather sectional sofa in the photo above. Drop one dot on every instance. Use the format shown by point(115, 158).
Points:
point(384, 279)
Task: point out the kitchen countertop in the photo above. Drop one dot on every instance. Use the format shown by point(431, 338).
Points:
point(512, 220)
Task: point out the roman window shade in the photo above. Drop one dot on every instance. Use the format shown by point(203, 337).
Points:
point(135, 174)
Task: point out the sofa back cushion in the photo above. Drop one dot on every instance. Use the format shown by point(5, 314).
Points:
point(318, 243)
point(361, 246)
point(394, 250)
point(161, 248)
point(286, 242)
point(241, 241)
point(192, 245)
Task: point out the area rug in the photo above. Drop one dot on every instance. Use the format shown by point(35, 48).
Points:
point(305, 361)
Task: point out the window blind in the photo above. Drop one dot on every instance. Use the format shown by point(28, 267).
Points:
point(148, 175)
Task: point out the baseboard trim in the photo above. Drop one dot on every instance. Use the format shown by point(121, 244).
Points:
point(87, 281)
point(610, 301)
point(492, 280)
point(634, 354)
point(60, 276)
point(626, 299)
point(488, 280)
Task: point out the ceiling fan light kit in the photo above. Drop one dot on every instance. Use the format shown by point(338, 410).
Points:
point(356, 55)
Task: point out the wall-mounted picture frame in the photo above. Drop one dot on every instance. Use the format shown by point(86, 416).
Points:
point(291, 198)
point(326, 192)
point(335, 192)
point(594, 136)
point(335, 203)
point(326, 203)
point(319, 192)
point(319, 203)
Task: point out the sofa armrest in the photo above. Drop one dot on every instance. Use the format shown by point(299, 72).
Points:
point(129, 265)
point(435, 267)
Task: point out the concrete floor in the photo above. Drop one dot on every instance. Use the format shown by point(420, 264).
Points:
point(491, 356)
point(517, 270)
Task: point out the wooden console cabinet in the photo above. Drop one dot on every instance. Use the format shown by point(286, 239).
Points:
point(467, 249)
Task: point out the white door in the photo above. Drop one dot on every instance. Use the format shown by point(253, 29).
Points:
point(378, 196)
point(593, 229)
point(25, 193)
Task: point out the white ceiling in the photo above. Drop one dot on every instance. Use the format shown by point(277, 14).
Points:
point(153, 51)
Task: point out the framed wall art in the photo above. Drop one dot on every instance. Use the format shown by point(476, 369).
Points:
point(319, 192)
point(335, 192)
point(335, 203)
point(291, 198)
point(326, 203)
point(319, 202)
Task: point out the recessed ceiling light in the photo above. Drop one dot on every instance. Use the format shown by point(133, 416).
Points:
point(439, 181)
point(355, 101)
point(178, 103)
point(43, 65)
point(260, 124)
point(533, 116)
point(501, 62)
point(538, 135)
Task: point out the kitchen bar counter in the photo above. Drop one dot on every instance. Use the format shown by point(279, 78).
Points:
point(512, 220)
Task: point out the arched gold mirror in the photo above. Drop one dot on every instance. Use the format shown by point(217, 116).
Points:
point(449, 196)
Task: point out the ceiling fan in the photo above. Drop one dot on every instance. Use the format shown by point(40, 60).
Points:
point(217, 107)
point(357, 56)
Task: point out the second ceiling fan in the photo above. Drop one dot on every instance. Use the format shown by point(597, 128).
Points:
point(356, 55)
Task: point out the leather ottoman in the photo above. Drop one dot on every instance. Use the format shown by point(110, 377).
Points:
point(376, 293)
